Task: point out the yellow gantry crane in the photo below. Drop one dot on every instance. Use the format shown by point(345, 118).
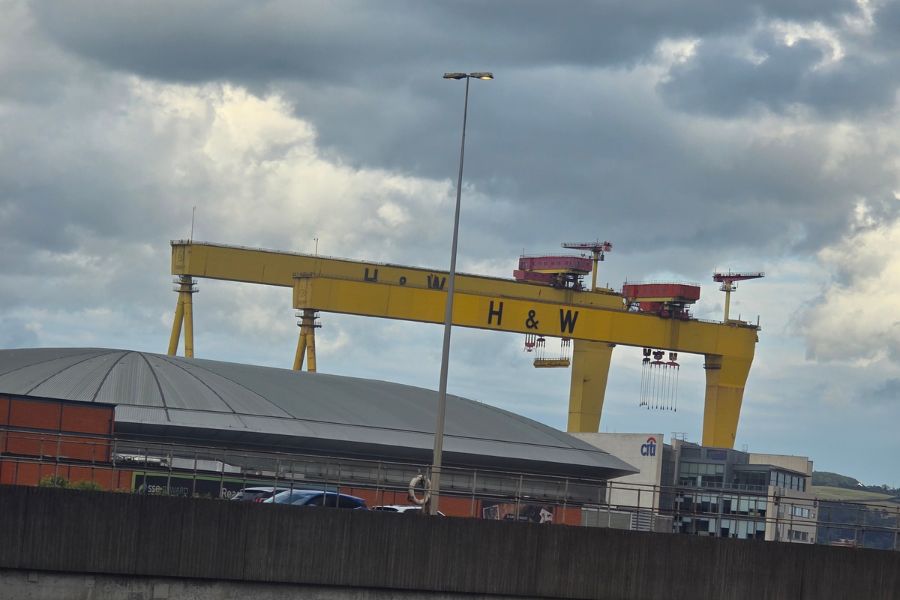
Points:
point(597, 320)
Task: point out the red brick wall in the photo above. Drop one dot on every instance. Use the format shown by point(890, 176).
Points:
point(23, 472)
point(52, 417)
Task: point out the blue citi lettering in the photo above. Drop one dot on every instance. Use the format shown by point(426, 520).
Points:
point(649, 449)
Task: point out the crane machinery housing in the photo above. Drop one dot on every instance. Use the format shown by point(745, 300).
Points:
point(595, 319)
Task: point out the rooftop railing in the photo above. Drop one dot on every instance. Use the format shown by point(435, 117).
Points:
point(144, 466)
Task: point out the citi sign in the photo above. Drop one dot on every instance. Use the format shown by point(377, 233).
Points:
point(649, 449)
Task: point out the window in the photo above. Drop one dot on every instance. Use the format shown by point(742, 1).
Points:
point(690, 452)
point(307, 499)
point(726, 528)
point(798, 536)
point(687, 468)
point(708, 504)
point(350, 502)
point(801, 511)
point(705, 527)
point(742, 530)
point(751, 479)
point(728, 504)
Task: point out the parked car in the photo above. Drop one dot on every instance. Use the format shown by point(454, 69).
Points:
point(409, 509)
point(317, 498)
point(257, 494)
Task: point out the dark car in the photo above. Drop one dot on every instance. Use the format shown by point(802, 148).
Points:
point(317, 498)
point(405, 509)
point(257, 494)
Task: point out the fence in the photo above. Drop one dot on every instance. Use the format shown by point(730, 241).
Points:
point(132, 464)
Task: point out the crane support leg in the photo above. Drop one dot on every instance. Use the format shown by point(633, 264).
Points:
point(310, 316)
point(590, 370)
point(301, 350)
point(725, 380)
point(183, 314)
point(306, 343)
point(176, 325)
point(188, 320)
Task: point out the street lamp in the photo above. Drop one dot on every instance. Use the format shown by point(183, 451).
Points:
point(448, 312)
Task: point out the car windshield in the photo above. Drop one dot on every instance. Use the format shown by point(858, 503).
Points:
point(293, 497)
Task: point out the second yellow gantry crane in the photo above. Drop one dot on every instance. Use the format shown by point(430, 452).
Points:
point(597, 320)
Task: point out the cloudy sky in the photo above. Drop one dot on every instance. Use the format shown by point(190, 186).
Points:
point(695, 135)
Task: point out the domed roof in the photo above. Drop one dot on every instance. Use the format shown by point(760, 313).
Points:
point(230, 403)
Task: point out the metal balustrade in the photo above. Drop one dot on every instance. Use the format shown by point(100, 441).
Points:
point(144, 466)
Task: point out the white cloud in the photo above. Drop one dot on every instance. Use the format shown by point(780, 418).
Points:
point(262, 180)
point(857, 318)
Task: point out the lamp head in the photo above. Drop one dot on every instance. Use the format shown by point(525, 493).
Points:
point(455, 75)
point(482, 75)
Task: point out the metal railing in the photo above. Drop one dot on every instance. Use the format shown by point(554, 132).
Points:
point(136, 465)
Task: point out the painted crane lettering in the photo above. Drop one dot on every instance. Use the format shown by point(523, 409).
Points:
point(567, 321)
point(374, 276)
point(492, 312)
point(531, 322)
point(436, 283)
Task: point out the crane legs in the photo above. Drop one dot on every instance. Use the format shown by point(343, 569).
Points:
point(176, 327)
point(306, 343)
point(184, 312)
point(725, 381)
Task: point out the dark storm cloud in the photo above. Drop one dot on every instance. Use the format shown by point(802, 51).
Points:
point(725, 80)
point(549, 140)
point(614, 160)
point(587, 154)
point(338, 41)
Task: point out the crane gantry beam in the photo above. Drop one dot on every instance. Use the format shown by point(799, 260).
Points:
point(272, 267)
point(728, 350)
point(597, 321)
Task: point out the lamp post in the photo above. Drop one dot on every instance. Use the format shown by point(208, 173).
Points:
point(448, 312)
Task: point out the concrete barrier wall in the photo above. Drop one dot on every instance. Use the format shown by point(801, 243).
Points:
point(120, 534)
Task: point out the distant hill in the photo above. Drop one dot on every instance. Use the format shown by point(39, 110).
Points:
point(827, 492)
point(841, 487)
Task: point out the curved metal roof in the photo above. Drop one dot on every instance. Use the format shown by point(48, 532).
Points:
point(262, 406)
